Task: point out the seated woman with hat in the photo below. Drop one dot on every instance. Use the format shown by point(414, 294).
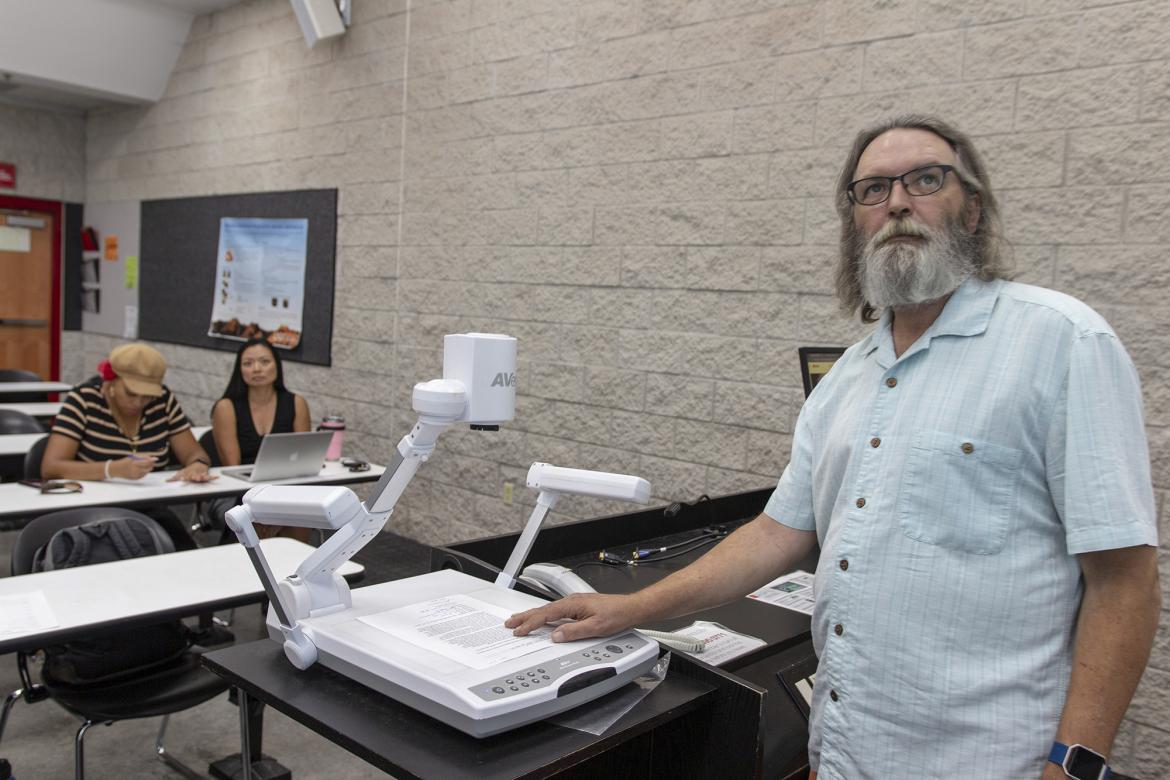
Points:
point(125, 423)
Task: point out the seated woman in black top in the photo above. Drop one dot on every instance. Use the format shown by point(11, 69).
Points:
point(124, 424)
point(254, 405)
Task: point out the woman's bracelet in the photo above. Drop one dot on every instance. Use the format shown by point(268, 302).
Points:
point(107, 469)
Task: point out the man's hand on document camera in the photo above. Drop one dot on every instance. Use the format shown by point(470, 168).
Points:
point(594, 614)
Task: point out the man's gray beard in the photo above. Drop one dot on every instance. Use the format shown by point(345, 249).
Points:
point(903, 273)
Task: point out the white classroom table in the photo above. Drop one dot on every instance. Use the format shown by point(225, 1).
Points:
point(36, 408)
point(86, 600)
point(17, 444)
point(17, 500)
point(10, 388)
point(20, 443)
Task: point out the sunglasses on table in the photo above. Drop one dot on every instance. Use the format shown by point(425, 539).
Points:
point(54, 485)
point(355, 465)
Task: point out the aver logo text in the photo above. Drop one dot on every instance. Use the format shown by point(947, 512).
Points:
point(504, 380)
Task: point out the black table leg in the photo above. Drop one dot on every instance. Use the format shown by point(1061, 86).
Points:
point(260, 766)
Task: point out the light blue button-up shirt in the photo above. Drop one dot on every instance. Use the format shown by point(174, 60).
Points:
point(950, 489)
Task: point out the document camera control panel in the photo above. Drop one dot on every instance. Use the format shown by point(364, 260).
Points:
point(604, 655)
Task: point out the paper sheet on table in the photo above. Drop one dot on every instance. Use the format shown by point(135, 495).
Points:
point(596, 717)
point(721, 644)
point(460, 628)
point(154, 479)
point(24, 613)
point(792, 591)
point(805, 687)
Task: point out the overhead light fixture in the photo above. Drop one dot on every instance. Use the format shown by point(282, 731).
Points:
point(322, 20)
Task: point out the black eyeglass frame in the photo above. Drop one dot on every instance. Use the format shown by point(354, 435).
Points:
point(891, 179)
point(59, 486)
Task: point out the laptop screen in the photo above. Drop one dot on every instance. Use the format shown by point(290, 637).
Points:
point(815, 362)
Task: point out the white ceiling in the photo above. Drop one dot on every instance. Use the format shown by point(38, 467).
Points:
point(25, 85)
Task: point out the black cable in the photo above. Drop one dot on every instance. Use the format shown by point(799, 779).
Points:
point(591, 563)
point(700, 543)
point(610, 559)
point(711, 532)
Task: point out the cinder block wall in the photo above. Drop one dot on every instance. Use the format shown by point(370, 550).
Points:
point(640, 191)
point(48, 148)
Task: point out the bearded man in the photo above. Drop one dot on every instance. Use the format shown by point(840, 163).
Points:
point(976, 473)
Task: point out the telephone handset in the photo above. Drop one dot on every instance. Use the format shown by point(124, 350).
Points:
point(558, 579)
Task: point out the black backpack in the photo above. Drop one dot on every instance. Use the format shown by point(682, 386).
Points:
point(119, 655)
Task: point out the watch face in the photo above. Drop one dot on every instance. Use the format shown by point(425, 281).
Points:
point(1084, 764)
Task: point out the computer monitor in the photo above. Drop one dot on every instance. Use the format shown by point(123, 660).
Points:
point(815, 362)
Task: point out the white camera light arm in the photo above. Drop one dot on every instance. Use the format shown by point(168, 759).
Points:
point(552, 481)
point(473, 362)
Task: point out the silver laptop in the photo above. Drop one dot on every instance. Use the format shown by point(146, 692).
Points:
point(286, 456)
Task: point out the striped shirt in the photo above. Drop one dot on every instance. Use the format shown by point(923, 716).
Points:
point(951, 488)
point(85, 416)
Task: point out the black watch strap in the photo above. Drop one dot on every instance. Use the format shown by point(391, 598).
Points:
point(1080, 762)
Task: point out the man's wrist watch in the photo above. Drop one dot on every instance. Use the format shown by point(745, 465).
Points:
point(1080, 762)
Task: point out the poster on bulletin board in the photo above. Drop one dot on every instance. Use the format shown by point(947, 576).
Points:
point(260, 280)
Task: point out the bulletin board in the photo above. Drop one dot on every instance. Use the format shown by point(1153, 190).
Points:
point(179, 244)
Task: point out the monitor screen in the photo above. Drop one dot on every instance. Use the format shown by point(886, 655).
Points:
point(815, 362)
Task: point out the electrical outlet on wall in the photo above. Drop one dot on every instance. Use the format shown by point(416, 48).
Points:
point(508, 493)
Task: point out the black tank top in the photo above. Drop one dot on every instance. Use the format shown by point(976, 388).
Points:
point(246, 435)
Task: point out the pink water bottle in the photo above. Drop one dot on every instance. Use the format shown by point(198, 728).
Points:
point(335, 423)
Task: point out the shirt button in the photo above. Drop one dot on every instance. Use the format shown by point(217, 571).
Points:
point(833, 695)
point(860, 503)
point(875, 442)
point(844, 565)
point(967, 448)
point(891, 382)
point(839, 629)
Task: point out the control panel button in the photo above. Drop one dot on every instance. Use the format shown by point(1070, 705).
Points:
point(497, 689)
point(613, 648)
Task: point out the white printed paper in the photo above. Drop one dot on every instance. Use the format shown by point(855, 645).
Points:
point(721, 644)
point(792, 591)
point(15, 239)
point(130, 323)
point(25, 613)
point(152, 479)
point(260, 280)
point(805, 688)
point(460, 628)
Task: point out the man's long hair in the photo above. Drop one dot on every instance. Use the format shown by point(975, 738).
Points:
point(991, 261)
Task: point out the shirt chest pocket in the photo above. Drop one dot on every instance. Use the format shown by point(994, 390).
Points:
point(959, 493)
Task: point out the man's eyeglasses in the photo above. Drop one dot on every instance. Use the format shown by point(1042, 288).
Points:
point(920, 181)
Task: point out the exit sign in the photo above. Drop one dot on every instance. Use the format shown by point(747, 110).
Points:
point(7, 176)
